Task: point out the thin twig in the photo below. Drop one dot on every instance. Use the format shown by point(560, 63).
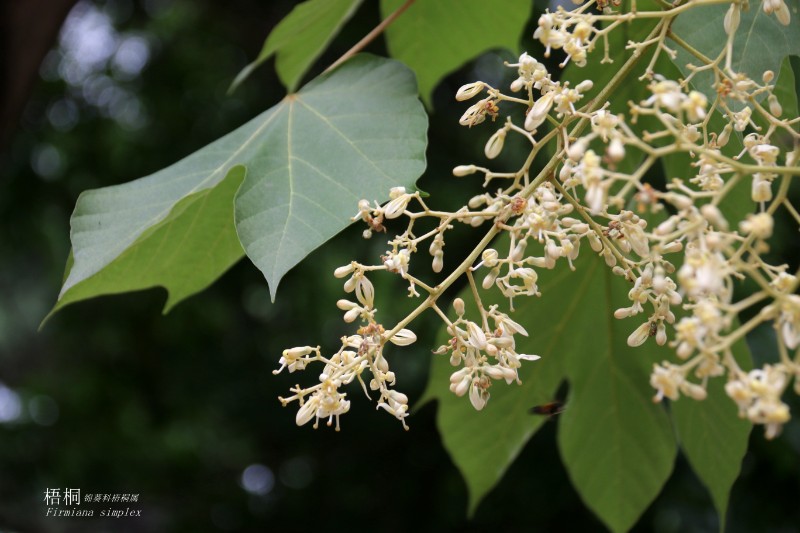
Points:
point(368, 38)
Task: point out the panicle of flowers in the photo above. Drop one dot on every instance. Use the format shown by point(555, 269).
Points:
point(684, 270)
point(683, 248)
point(360, 356)
point(483, 354)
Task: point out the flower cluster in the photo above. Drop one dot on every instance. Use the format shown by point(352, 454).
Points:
point(359, 353)
point(483, 354)
point(683, 248)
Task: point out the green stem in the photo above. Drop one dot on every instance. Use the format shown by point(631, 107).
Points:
point(368, 38)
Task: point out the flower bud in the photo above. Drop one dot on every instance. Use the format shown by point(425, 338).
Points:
point(399, 397)
point(293, 353)
point(783, 14)
point(539, 111)
point(346, 305)
point(460, 388)
point(488, 281)
point(609, 258)
point(585, 85)
point(404, 337)
point(493, 372)
point(459, 375)
point(725, 136)
point(624, 312)
point(438, 261)
point(580, 229)
point(519, 250)
point(616, 150)
point(678, 200)
point(458, 305)
point(464, 170)
point(565, 171)
point(731, 23)
point(495, 144)
point(661, 335)
point(775, 106)
point(594, 241)
point(761, 189)
point(576, 150)
point(352, 315)
point(465, 92)
point(714, 216)
point(490, 257)
point(694, 391)
point(343, 271)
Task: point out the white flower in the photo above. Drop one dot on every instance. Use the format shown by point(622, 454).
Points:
point(293, 358)
point(469, 90)
point(789, 320)
point(478, 393)
point(639, 335)
point(539, 111)
point(404, 337)
point(326, 402)
point(365, 292)
point(759, 225)
point(695, 106)
point(398, 204)
point(397, 261)
point(780, 9)
point(666, 380)
point(666, 93)
point(495, 144)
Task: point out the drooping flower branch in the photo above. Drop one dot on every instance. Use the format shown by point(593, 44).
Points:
point(682, 271)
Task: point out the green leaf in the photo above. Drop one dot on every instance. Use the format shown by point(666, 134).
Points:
point(350, 134)
point(435, 37)
point(713, 437)
point(184, 253)
point(761, 42)
point(300, 38)
point(616, 444)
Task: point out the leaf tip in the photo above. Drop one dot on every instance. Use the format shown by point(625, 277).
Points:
point(243, 74)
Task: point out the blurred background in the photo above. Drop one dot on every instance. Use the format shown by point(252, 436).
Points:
point(112, 397)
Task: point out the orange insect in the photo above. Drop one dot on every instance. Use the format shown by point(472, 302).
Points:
point(548, 409)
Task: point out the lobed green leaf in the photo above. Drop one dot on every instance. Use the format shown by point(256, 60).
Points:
point(616, 444)
point(350, 134)
point(435, 37)
point(713, 438)
point(300, 38)
point(184, 253)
